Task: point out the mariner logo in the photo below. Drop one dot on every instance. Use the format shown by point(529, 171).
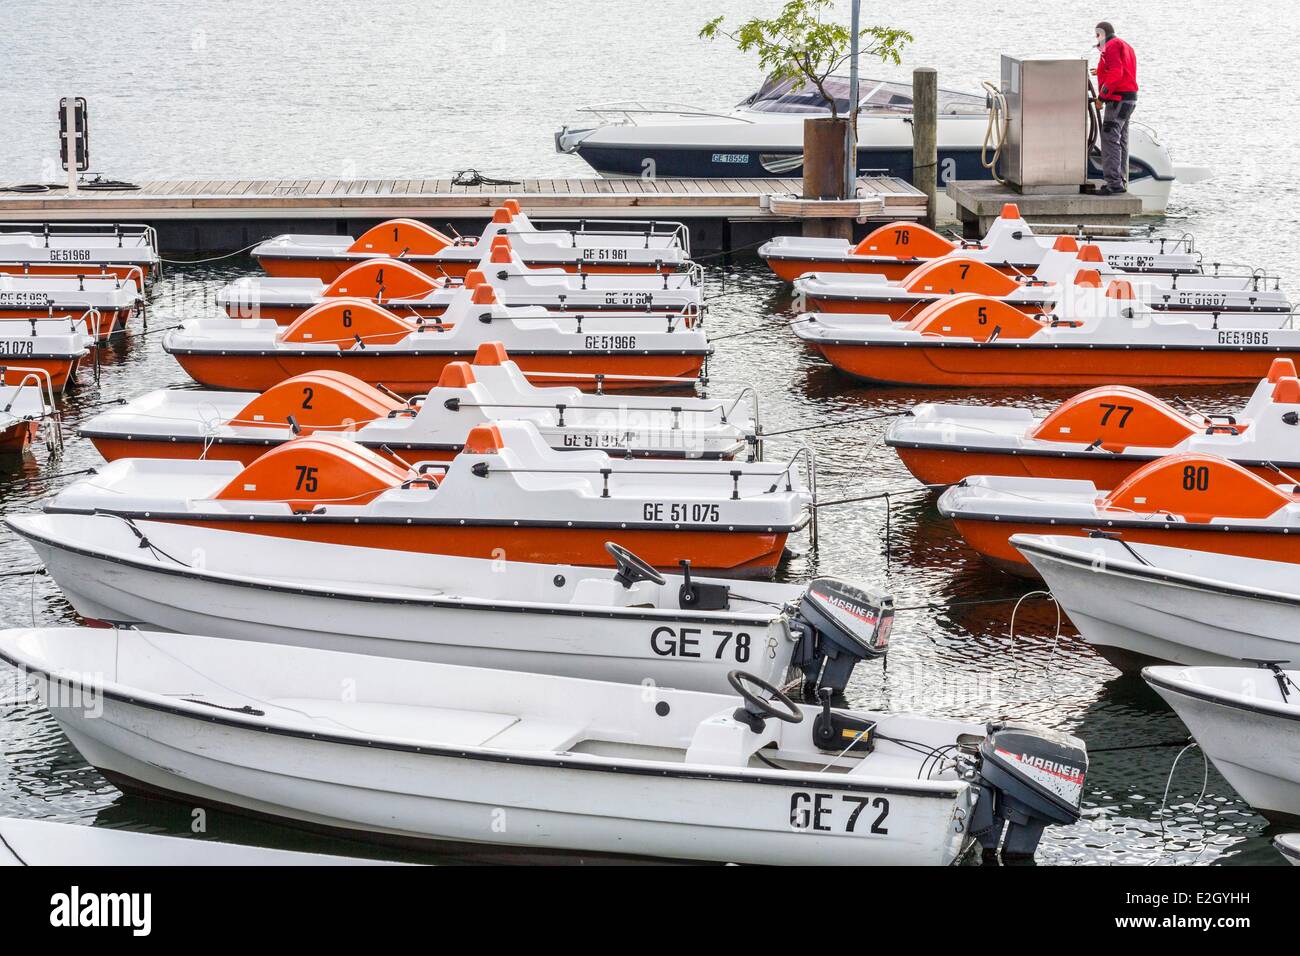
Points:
point(75, 909)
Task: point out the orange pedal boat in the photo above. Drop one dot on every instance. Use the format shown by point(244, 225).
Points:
point(1192, 501)
point(369, 342)
point(657, 247)
point(896, 249)
point(1102, 435)
point(1093, 338)
point(507, 496)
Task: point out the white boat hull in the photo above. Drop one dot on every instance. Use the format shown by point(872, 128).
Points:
point(1251, 738)
point(394, 608)
point(1136, 615)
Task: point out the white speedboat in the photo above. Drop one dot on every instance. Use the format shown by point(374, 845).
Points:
point(762, 136)
point(1139, 604)
point(46, 843)
point(1247, 720)
point(403, 750)
point(628, 624)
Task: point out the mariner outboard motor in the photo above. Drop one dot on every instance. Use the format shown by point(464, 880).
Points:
point(837, 625)
point(1028, 777)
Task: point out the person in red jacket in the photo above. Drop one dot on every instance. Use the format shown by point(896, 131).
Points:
point(1117, 88)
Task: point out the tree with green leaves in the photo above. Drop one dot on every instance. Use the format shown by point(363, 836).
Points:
point(799, 44)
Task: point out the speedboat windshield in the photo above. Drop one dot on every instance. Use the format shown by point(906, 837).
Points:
point(797, 95)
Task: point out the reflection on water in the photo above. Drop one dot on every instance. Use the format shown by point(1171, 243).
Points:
point(952, 651)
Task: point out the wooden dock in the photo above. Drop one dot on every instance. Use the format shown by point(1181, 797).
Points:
point(197, 216)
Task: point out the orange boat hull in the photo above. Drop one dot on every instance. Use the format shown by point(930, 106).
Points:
point(15, 439)
point(415, 375)
point(992, 540)
point(933, 466)
point(59, 369)
point(1047, 367)
point(739, 554)
point(327, 270)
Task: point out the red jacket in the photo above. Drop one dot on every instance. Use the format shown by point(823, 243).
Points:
point(1117, 71)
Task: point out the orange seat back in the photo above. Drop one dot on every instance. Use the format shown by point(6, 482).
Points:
point(491, 353)
point(904, 240)
point(1197, 487)
point(382, 278)
point(311, 471)
point(975, 317)
point(341, 321)
point(1118, 417)
point(949, 275)
point(398, 237)
point(318, 400)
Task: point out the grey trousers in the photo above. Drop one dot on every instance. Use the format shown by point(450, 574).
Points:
point(1114, 142)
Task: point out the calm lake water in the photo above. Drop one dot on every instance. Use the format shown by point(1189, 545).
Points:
point(404, 89)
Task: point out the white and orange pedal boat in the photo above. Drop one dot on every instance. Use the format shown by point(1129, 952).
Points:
point(110, 300)
point(1193, 501)
point(127, 251)
point(51, 348)
point(1010, 246)
point(404, 289)
point(588, 247)
point(1096, 338)
point(407, 355)
point(1102, 435)
point(26, 400)
point(1036, 294)
point(507, 496)
point(240, 426)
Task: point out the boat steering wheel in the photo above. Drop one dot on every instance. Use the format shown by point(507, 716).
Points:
point(631, 568)
point(761, 707)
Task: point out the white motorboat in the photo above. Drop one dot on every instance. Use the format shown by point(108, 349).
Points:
point(413, 751)
point(1288, 844)
point(240, 426)
point(629, 624)
point(1247, 720)
point(762, 136)
point(47, 843)
point(1139, 604)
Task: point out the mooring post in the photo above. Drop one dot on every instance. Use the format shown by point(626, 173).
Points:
point(925, 136)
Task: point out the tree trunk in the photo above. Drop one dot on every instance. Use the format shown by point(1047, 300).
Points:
point(824, 145)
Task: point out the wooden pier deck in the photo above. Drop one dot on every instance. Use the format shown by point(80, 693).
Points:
point(304, 198)
point(194, 215)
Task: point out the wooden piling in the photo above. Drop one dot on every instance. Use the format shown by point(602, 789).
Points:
point(824, 144)
point(925, 136)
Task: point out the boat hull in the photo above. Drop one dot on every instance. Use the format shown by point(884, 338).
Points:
point(1256, 750)
point(416, 374)
point(992, 539)
point(413, 794)
point(984, 366)
point(1135, 615)
point(625, 645)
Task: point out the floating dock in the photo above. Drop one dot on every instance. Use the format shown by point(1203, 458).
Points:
point(195, 216)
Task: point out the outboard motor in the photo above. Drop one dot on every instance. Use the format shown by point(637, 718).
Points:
point(837, 625)
point(1029, 777)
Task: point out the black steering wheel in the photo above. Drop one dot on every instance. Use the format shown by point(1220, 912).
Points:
point(763, 706)
point(631, 569)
